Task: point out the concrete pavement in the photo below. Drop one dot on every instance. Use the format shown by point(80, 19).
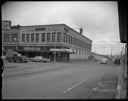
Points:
point(121, 87)
point(76, 81)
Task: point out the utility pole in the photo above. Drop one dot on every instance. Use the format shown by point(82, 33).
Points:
point(111, 50)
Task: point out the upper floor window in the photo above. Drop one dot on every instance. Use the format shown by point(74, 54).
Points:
point(48, 37)
point(71, 40)
point(53, 36)
point(59, 37)
point(43, 37)
point(23, 37)
point(81, 43)
point(76, 42)
point(32, 37)
point(37, 37)
point(28, 38)
point(67, 38)
point(6, 37)
point(64, 37)
point(14, 37)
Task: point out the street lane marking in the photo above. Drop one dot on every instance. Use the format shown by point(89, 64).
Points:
point(73, 86)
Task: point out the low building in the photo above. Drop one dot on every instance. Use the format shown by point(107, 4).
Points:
point(58, 42)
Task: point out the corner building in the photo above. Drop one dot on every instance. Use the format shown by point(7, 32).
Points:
point(55, 41)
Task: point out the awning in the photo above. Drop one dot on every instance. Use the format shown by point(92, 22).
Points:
point(62, 50)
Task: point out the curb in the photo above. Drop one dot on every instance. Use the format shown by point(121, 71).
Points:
point(120, 91)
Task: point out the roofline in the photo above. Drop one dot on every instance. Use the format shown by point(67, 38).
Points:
point(6, 21)
point(78, 32)
point(41, 25)
point(57, 24)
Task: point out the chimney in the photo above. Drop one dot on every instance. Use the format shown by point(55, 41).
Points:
point(81, 30)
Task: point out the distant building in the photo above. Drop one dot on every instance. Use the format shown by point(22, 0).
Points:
point(48, 41)
point(6, 26)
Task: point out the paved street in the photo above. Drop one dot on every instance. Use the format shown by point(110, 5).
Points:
point(73, 80)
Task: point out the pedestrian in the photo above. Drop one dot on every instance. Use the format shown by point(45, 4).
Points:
point(2, 65)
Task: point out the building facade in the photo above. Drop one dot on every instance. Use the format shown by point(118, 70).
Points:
point(10, 36)
point(57, 42)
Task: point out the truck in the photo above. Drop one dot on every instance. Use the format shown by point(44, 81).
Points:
point(12, 56)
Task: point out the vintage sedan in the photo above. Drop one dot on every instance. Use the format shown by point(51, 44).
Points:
point(103, 61)
point(95, 59)
point(40, 59)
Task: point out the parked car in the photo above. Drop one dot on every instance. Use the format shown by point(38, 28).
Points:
point(19, 59)
point(40, 59)
point(103, 61)
point(95, 59)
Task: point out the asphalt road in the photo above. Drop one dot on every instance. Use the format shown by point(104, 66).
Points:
point(56, 81)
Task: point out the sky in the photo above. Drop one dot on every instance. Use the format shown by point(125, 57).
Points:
point(99, 19)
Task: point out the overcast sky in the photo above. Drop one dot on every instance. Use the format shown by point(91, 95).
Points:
point(99, 20)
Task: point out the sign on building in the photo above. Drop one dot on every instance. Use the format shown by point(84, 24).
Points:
point(61, 50)
point(32, 48)
point(6, 25)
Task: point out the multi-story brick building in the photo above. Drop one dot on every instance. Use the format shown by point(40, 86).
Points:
point(49, 41)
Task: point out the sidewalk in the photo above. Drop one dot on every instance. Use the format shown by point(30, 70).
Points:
point(107, 87)
point(121, 87)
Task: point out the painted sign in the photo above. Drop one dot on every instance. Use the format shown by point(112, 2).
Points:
point(32, 48)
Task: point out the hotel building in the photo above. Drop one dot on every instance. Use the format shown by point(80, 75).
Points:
point(55, 41)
